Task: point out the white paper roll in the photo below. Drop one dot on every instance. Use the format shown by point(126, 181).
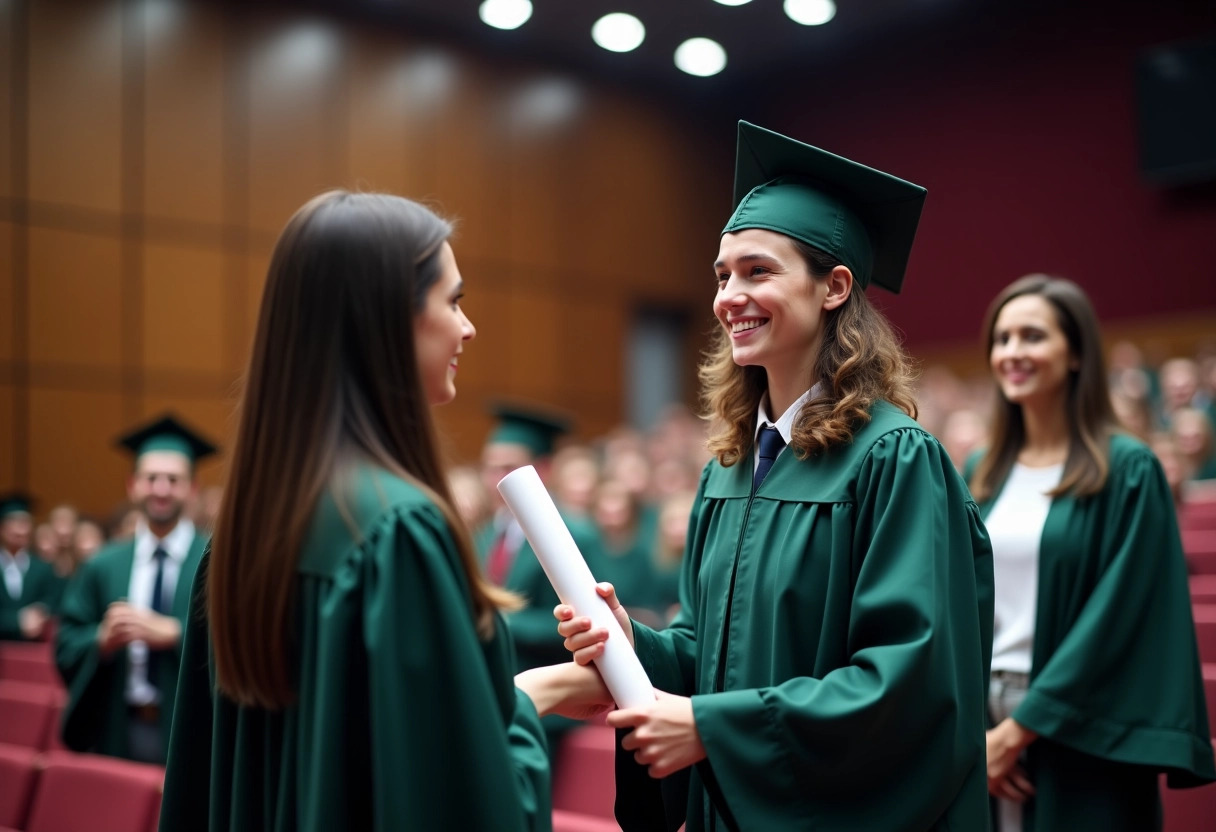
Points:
point(559, 556)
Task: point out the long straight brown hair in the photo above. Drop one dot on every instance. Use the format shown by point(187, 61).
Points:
point(1091, 417)
point(332, 379)
point(860, 363)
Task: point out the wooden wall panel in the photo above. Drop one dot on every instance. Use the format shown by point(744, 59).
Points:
point(8, 316)
point(593, 341)
point(536, 345)
point(72, 438)
point(183, 309)
point(8, 43)
point(295, 81)
point(255, 271)
point(391, 88)
point(184, 117)
point(75, 314)
point(75, 104)
point(8, 439)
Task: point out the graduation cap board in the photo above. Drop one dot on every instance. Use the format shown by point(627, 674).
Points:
point(865, 218)
point(533, 428)
point(167, 433)
point(15, 502)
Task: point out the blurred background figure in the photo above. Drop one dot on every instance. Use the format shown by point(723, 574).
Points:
point(469, 495)
point(574, 477)
point(1193, 434)
point(30, 590)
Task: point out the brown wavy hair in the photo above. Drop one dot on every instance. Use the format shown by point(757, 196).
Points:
point(333, 380)
point(860, 363)
point(1091, 417)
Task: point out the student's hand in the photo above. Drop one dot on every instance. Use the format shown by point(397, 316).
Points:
point(664, 736)
point(33, 620)
point(585, 643)
point(113, 632)
point(1006, 777)
point(569, 690)
point(159, 632)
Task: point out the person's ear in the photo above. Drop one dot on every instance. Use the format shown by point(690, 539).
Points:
point(840, 286)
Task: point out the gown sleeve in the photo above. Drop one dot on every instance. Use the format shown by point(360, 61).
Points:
point(1124, 682)
point(895, 737)
point(79, 660)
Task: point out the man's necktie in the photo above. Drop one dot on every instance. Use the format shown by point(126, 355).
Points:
point(159, 606)
point(771, 443)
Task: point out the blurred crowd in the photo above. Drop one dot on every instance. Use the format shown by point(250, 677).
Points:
point(636, 488)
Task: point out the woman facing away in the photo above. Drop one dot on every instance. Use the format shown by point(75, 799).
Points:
point(318, 689)
point(1095, 685)
point(827, 669)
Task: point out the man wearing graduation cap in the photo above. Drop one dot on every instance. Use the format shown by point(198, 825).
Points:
point(122, 617)
point(828, 666)
point(31, 588)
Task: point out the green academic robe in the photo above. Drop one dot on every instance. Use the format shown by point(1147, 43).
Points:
point(96, 715)
point(404, 718)
point(40, 586)
point(835, 634)
point(1115, 689)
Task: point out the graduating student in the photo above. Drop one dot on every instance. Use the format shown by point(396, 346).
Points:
point(1096, 686)
point(119, 640)
point(31, 589)
point(346, 664)
point(828, 666)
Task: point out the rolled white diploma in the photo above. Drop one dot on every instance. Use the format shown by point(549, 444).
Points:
point(532, 506)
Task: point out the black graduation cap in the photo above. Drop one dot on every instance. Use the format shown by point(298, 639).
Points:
point(167, 433)
point(865, 218)
point(15, 502)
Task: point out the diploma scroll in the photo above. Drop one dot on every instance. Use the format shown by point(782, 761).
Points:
point(559, 556)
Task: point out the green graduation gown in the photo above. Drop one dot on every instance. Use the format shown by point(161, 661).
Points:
point(1115, 689)
point(404, 718)
point(96, 715)
point(835, 634)
point(40, 586)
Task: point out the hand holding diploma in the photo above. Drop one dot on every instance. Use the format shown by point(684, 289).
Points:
point(531, 504)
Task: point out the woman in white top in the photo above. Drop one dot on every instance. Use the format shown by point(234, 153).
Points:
point(1095, 674)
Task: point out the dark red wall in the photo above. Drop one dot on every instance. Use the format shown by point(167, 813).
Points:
point(1024, 132)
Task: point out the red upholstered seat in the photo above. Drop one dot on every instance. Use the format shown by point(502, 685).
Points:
point(1198, 515)
point(29, 712)
point(585, 780)
point(1189, 810)
point(28, 662)
point(1203, 589)
point(1205, 630)
point(19, 768)
point(90, 793)
point(1209, 688)
point(1200, 548)
point(574, 822)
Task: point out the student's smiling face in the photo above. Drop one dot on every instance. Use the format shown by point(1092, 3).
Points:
point(440, 330)
point(1030, 356)
point(768, 302)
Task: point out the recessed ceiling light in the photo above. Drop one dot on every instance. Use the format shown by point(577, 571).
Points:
point(505, 14)
point(618, 32)
point(701, 56)
point(810, 12)
point(734, 2)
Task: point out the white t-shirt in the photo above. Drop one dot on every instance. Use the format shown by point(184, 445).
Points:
point(1015, 527)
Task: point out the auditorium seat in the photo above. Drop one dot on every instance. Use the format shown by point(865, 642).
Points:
point(1200, 548)
point(584, 781)
point(1189, 810)
point(28, 662)
point(19, 768)
point(1205, 630)
point(1198, 515)
point(1209, 689)
point(91, 793)
point(1203, 589)
point(574, 822)
point(29, 712)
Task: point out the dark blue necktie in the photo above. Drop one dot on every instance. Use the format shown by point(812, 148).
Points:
point(159, 606)
point(771, 443)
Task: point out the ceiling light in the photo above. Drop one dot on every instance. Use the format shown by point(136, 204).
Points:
point(505, 14)
point(810, 12)
point(618, 32)
point(734, 2)
point(701, 56)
